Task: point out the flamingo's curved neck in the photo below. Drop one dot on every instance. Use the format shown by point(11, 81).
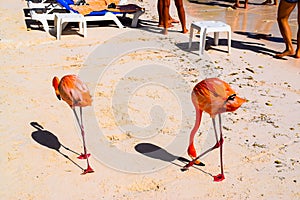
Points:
point(196, 126)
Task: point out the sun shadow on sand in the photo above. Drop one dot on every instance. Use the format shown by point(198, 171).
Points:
point(252, 46)
point(260, 36)
point(48, 139)
point(211, 3)
point(220, 3)
point(157, 152)
point(237, 44)
point(152, 27)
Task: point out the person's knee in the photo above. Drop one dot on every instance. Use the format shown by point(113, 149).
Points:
point(166, 3)
point(178, 3)
point(281, 19)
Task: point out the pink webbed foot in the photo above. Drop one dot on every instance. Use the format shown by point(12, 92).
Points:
point(219, 177)
point(88, 170)
point(84, 156)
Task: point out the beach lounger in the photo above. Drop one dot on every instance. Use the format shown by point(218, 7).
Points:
point(44, 11)
point(107, 13)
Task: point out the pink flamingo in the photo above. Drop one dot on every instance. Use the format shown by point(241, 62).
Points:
point(75, 93)
point(213, 96)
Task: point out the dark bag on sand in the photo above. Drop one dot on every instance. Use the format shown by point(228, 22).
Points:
point(80, 2)
point(112, 5)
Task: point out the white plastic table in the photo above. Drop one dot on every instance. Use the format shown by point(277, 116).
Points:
point(206, 27)
point(61, 18)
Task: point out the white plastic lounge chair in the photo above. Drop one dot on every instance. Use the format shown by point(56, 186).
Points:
point(44, 12)
point(104, 15)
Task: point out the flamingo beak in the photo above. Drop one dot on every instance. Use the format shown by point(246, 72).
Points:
point(55, 83)
point(58, 96)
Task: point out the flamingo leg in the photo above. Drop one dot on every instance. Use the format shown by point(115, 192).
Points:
point(218, 144)
point(191, 149)
point(85, 155)
point(197, 124)
point(80, 110)
point(89, 169)
point(221, 176)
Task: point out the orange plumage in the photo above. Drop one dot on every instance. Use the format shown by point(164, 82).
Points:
point(72, 90)
point(210, 95)
point(76, 94)
point(213, 96)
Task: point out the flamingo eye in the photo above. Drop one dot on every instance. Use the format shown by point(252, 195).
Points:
point(231, 97)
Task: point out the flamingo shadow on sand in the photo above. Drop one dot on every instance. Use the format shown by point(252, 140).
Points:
point(48, 139)
point(156, 152)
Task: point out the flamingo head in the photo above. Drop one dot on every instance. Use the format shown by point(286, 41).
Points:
point(55, 83)
point(233, 102)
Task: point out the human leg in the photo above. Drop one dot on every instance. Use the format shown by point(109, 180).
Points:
point(181, 14)
point(297, 55)
point(160, 12)
point(166, 15)
point(284, 11)
point(160, 15)
point(236, 4)
point(246, 4)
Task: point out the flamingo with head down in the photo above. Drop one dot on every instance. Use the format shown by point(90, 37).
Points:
point(76, 94)
point(215, 97)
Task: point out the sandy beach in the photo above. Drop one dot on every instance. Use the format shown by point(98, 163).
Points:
point(139, 124)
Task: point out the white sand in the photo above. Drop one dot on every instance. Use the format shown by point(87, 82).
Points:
point(261, 149)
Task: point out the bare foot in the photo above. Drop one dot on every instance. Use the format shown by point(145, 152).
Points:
point(165, 31)
point(169, 25)
point(246, 6)
point(184, 31)
point(235, 6)
point(285, 53)
point(173, 21)
point(297, 55)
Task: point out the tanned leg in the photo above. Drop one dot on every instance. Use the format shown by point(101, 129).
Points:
point(160, 12)
point(181, 14)
point(246, 4)
point(237, 4)
point(297, 55)
point(284, 11)
point(160, 15)
point(166, 8)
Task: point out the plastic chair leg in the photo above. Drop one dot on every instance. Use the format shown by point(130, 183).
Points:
point(229, 41)
point(191, 37)
point(216, 38)
point(202, 41)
